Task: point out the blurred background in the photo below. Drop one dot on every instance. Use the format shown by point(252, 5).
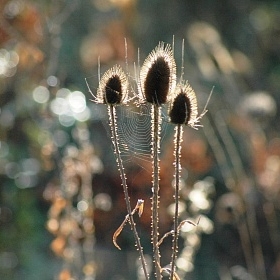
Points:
point(60, 194)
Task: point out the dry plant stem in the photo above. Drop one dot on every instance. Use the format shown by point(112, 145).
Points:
point(238, 169)
point(271, 218)
point(246, 246)
point(177, 154)
point(219, 153)
point(228, 176)
point(156, 122)
point(115, 140)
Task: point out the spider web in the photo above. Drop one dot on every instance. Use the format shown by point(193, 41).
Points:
point(134, 130)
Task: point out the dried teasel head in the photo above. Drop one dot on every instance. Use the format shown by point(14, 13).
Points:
point(158, 75)
point(183, 106)
point(113, 87)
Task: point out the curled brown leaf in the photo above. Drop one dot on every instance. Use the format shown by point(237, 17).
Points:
point(139, 206)
point(118, 232)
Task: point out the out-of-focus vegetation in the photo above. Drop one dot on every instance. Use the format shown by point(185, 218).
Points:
point(60, 194)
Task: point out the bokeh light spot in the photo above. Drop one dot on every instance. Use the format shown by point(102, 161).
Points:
point(41, 94)
point(77, 101)
point(12, 169)
point(66, 120)
point(52, 81)
point(103, 202)
point(82, 206)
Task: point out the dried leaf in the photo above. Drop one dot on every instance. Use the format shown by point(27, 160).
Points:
point(166, 235)
point(118, 232)
point(140, 205)
point(190, 222)
point(179, 227)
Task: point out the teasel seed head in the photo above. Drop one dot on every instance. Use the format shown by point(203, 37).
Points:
point(183, 106)
point(113, 87)
point(158, 75)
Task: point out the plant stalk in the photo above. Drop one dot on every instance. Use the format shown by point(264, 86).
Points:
point(156, 122)
point(115, 140)
point(177, 154)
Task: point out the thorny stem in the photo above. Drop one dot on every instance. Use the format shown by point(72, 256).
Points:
point(156, 121)
point(115, 140)
point(177, 154)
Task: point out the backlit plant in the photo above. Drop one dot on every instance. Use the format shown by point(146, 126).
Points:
point(156, 86)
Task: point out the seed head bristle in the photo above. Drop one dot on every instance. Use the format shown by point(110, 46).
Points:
point(158, 75)
point(183, 107)
point(113, 87)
